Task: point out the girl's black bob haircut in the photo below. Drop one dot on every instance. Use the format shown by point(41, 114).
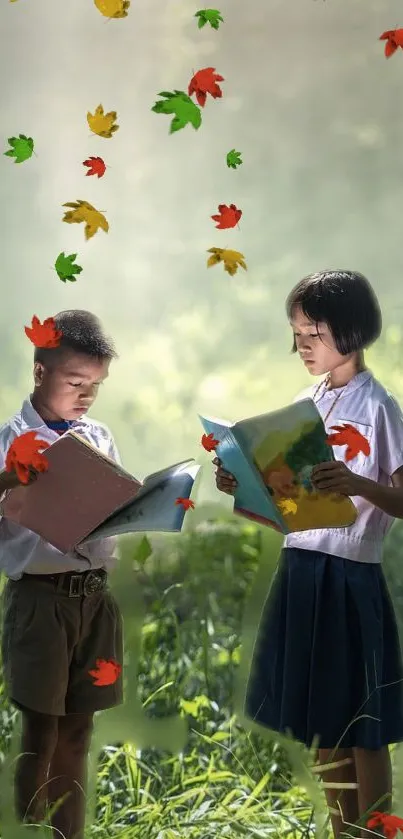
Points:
point(82, 332)
point(345, 301)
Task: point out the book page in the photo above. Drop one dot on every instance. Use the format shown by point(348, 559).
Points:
point(285, 445)
point(154, 512)
point(251, 493)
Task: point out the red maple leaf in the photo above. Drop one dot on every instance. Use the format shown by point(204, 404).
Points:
point(96, 166)
point(347, 435)
point(186, 503)
point(394, 39)
point(44, 334)
point(227, 217)
point(106, 672)
point(24, 452)
point(209, 443)
point(204, 82)
point(390, 824)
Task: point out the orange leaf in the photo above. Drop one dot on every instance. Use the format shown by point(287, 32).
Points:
point(390, 824)
point(44, 334)
point(203, 82)
point(106, 672)
point(209, 443)
point(228, 216)
point(186, 503)
point(348, 435)
point(394, 39)
point(24, 452)
point(96, 166)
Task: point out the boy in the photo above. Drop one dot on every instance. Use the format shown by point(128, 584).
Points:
point(59, 615)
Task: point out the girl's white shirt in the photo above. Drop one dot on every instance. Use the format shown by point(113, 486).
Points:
point(369, 407)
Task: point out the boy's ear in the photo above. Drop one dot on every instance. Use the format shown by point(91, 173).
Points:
point(38, 373)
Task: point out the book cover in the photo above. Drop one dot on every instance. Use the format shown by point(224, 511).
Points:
point(81, 488)
point(272, 457)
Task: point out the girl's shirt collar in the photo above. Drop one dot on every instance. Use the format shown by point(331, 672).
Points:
point(354, 383)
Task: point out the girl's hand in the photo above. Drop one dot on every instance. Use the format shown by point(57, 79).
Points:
point(335, 476)
point(225, 482)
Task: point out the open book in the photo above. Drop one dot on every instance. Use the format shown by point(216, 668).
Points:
point(272, 456)
point(84, 495)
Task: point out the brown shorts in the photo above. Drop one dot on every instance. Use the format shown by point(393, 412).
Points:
point(51, 640)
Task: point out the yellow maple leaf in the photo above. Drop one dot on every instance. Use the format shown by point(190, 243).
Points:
point(288, 506)
point(113, 8)
point(231, 259)
point(102, 124)
point(83, 211)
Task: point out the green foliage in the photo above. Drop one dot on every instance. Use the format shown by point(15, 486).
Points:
point(227, 780)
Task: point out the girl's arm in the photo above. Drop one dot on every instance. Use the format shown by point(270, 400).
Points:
point(388, 499)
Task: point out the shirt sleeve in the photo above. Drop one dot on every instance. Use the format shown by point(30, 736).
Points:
point(114, 451)
point(390, 436)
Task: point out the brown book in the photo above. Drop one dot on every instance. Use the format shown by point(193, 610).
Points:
point(83, 491)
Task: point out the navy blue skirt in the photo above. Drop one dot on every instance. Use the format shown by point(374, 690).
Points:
point(327, 662)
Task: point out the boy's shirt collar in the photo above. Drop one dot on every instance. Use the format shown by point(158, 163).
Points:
point(31, 420)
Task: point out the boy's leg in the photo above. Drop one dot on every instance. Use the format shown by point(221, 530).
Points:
point(38, 742)
point(68, 775)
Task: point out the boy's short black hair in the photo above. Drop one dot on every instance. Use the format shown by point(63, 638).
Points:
point(346, 301)
point(82, 332)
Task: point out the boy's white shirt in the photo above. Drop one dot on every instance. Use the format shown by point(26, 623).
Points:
point(21, 550)
point(370, 408)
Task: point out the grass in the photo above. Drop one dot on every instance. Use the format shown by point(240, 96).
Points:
point(229, 778)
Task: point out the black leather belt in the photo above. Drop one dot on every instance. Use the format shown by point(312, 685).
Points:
point(75, 585)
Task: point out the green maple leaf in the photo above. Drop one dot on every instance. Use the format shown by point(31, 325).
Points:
point(66, 268)
point(180, 104)
point(21, 148)
point(211, 16)
point(234, 159)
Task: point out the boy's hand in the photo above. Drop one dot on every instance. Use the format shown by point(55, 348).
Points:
point(10, 480)
point(225, 482)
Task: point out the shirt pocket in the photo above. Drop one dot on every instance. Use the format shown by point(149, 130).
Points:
point(353, 442)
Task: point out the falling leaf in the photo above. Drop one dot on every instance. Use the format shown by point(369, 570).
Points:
point(83, 211)
point(288, 506)
point(66, 267)
point(143, 551)
point(390, 824)
point(178, 103)
point(394, 39)
point(231, 259)
point(348, 435)
point(227, 216)
point(209, 443)
point(211, 16)
point(25, 453)
point(44, 334)
point(204, 82)
point(234, 159)
point(21, 148)
point(106, 672)
point(187, 504)
point(96, 166)
point(113, 8)
point(102, 124)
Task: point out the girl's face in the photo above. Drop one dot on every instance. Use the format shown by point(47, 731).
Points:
point(315, 344)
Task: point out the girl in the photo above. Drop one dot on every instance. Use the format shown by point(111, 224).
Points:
point(327, 659)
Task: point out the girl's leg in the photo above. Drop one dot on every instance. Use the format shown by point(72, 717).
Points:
point(346, 798)
point(374, 775)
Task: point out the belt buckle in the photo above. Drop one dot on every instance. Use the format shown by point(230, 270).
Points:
point(77, 590)
point(93, 583)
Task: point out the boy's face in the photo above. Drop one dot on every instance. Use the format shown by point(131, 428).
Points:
point(68, 389)
point(315, 344)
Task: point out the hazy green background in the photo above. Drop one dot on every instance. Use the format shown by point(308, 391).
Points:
point(316, 111)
